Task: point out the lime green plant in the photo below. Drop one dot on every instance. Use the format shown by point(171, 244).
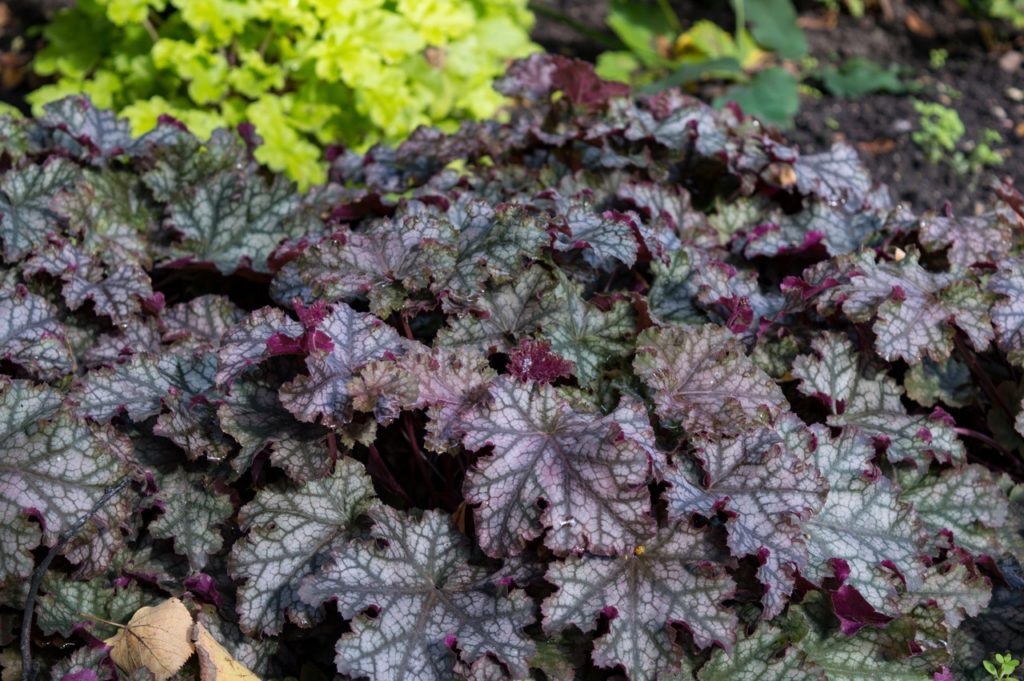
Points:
point(939, 130)
point(304, 72)
point(1003, 668)
point(940, 134)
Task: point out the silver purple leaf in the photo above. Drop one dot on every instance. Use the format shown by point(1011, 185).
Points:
point(428, 598)
point(32, 336)
point(86, 132)
point(837, 176)
point(384, 262)
point(55, 468)
point(667, 579)
point(253, 415)
point(592, 480)
point(863, 524)
point(857, 399)
point(27, 216)
point(235, 220)
point(450, 383)
point(289, 534)
point(1008, 311)
point(766, 488)
point(702, 379)
point(201, 321)
point(972, 240)
point(504, 314)
point(966, 505)
point(355, 339)
point(916, 312)
point(245, 344)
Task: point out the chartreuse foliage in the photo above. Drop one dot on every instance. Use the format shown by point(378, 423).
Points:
point(306, 73)
point(637, 390)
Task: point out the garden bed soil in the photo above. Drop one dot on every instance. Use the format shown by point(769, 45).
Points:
point(979, 79)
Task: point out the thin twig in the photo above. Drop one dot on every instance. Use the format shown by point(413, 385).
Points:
point(977, 435)
point(28, 670)
point(154, 35)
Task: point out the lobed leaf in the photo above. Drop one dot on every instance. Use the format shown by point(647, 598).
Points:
point(553, 467)
point(702, 379)
point(856, 399)
point(290, 532)
point(662, 580)
point(432, 605)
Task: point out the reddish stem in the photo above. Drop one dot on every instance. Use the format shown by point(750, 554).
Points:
point(406, 328)
point(386, 477)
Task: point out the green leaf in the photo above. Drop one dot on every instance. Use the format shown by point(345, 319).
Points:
point(771, 95)
point(193, 511)
point(774, 26)
point(587, 336)
point(860, 76)
point(766, 654)
point(66, 604)
point(617, 65)
point(639, 25)
point(948, 382)
point(724, 68)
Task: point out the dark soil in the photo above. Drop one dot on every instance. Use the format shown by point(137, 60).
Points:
point(972, 81)
point(19, 41)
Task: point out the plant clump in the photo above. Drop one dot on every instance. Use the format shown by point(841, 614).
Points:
point(618, 384)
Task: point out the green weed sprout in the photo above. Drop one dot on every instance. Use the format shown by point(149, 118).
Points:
point(1003, 667)
point(940, 130)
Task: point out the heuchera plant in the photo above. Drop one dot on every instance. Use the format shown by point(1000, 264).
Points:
point(636, 390)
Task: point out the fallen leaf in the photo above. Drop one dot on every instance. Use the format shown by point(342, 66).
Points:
point(825, 22)
point(877, 147)
point(787, 176)
point(157, 638)
point(215, 662)
point(918, 26)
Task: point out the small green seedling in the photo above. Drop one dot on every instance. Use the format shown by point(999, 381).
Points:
point(1003, 668)
point(940, 130)
point(937, 57)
